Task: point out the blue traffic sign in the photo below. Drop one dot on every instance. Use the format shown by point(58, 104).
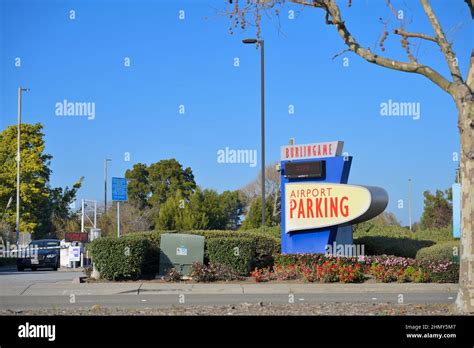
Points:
point(119, 189)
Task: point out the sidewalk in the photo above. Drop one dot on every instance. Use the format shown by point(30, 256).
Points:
point(135, 288)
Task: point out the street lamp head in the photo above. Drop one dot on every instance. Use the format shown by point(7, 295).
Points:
point(25, 89)
point(250, 41)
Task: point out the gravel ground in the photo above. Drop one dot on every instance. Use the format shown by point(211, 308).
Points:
point(258, 309)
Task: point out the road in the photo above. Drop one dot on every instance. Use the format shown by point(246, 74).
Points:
point(12, 281)
point(49, 289)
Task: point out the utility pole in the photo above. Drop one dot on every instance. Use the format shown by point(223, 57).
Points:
point(20, 90)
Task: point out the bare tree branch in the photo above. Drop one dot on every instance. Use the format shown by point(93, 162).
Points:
point(404, 33)
point(332, 9)
point(445, 46)
point(470, 4)
point(340, 53)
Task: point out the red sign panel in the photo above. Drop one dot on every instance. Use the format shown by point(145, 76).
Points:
point(76, 237)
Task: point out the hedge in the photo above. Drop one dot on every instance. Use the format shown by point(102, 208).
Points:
point(392, 231)
point(122, 258)
point(266, 245)
point(443, 251)
point(380, 245)
point(8, 261)
point(238, 253)
point(306, 259)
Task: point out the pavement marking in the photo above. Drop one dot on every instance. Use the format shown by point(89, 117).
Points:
point(450, 298)
point(301, 299)
point(374, 298)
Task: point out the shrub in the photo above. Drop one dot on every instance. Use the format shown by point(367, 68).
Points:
point(435, 234)
point(152, 254)
point(416, 274)
point(262, 275)
point(172, 275)
point(236, 253)
point(266, 245)
point(288, 272)
point(383, 268)
point(367, 229)
point(406, 247)
point(7, 261)
point(212, 272)
point(121, 258)
point(450, 274)
point(274, 231)
point(442, 251)
point(293, 259)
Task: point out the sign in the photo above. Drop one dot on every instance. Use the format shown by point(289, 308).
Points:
point(76, 237)
point(308, 169)
point(316, 150)
point(119, 189)
point(74, 253)
point(317, 205)
point(182, 251)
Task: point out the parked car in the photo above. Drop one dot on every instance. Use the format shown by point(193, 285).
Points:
point(46, 255)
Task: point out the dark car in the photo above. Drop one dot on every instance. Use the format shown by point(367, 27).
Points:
point(42, 253)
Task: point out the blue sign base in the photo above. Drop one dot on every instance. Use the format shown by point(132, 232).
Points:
point(316, 240)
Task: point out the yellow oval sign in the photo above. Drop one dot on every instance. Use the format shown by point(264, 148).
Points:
point(317, 205)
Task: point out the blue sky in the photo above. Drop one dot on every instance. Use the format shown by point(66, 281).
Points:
point(190, 62)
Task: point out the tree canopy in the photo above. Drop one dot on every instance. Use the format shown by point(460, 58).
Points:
point(438, 210)
point(43, 209)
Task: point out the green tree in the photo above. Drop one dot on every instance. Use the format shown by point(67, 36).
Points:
point(41, 207)
point(171, 215)
point(166, 178)
point(138, 186)
point(203, 210)
point(233, 205)
point(438, 210)
point(253, 218)
point(61, 218)
point(34, 176)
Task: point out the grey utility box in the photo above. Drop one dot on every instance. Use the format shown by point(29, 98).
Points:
point(180, 251)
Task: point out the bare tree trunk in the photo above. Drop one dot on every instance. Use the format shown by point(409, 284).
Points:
point(465, 300)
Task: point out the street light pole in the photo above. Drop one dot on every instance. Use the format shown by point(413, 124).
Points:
point(262, 106)
point(20, 90)
point(105, 185)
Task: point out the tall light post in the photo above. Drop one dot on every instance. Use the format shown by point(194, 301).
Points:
point(105, 184)
point(262, 106)
point(20, 90)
